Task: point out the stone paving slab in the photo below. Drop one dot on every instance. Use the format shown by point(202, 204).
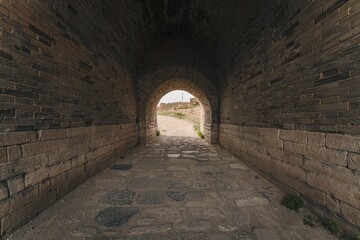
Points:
point(123, 197)
point(173, 188)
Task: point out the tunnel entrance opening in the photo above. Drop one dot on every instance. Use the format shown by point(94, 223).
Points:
point(179, 113)
point(148, 111)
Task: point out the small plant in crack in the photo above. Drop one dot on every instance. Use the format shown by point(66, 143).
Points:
point(308, 221)
point(293, 202)
point(331, 225)
point(356, 237)
point(157, 132)
point(200, 134)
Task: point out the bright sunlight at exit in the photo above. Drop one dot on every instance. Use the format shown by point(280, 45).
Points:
point(180, 114)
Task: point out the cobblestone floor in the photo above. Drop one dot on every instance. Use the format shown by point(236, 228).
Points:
point(174, 188)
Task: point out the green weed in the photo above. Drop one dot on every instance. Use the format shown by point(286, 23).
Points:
point(309, 222)
point(293, 202)
point(200, 134)
point(331, 225)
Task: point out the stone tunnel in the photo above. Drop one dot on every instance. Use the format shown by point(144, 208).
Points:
point(279, 82)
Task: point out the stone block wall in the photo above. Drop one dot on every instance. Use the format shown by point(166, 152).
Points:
point(324, 168)
point(59, 69)
point(38, 168)
point(289, 101)
point(295, 66)
point(67, 103)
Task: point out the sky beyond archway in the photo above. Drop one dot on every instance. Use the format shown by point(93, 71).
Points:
point(176, 96)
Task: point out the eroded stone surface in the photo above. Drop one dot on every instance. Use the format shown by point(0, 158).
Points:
point(173, 184)
point(226, 228)
point(150, 229)
point(120, 166)
point(170, 198)
point(176, 196)
point(115, 216)
point(123, 197)
point(150, 198)
point(251, 201)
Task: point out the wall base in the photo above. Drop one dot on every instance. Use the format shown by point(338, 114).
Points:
point(38, 168)
point(322, 168)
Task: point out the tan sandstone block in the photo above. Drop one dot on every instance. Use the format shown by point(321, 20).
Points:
point(44, 187)
point(59, 168)
point(11, 169)
point(326, 155)
point(21, 199)
point(295, 147)
point(2, 139)
point(343, 142)
point(34, 177)
point(3, 157)
point(350, 213)
point(14, 153)
point(16, 184)
point(290, 170)
point(300, 186)
point(343, 191)
point(252, 130)
point(18, 217)
point(256, 154)
point(317, 139)
point(45, 135)
point(59, 180)
point(23, 165)
point(316, 195)
point(4, 207)
point(42, 147)
point(16, 138)
point(294, 136)
point(332, 204)
point(78, 140)
point(288, 157)
point(354, 161)
point(75, 172)
point(72, 132)
point(106, 128)
point(102, 150)
point(272, 142)
point(252, 137)
point(4, 193)
point(342, 174)
point(269, 132)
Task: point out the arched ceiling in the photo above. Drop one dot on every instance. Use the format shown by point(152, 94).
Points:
point(138, 24)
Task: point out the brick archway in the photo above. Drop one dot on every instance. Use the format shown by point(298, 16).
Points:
point(155, 85)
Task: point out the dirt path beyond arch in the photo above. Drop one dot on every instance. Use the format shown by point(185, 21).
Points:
point(170, 126)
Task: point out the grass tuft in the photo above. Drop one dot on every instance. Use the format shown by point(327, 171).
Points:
point(196, 126)
point(331, 225)
point(309, 222)
point(293, 202)
point(200, 134)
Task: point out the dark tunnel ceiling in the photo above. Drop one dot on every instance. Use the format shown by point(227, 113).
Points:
point(140, 23)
